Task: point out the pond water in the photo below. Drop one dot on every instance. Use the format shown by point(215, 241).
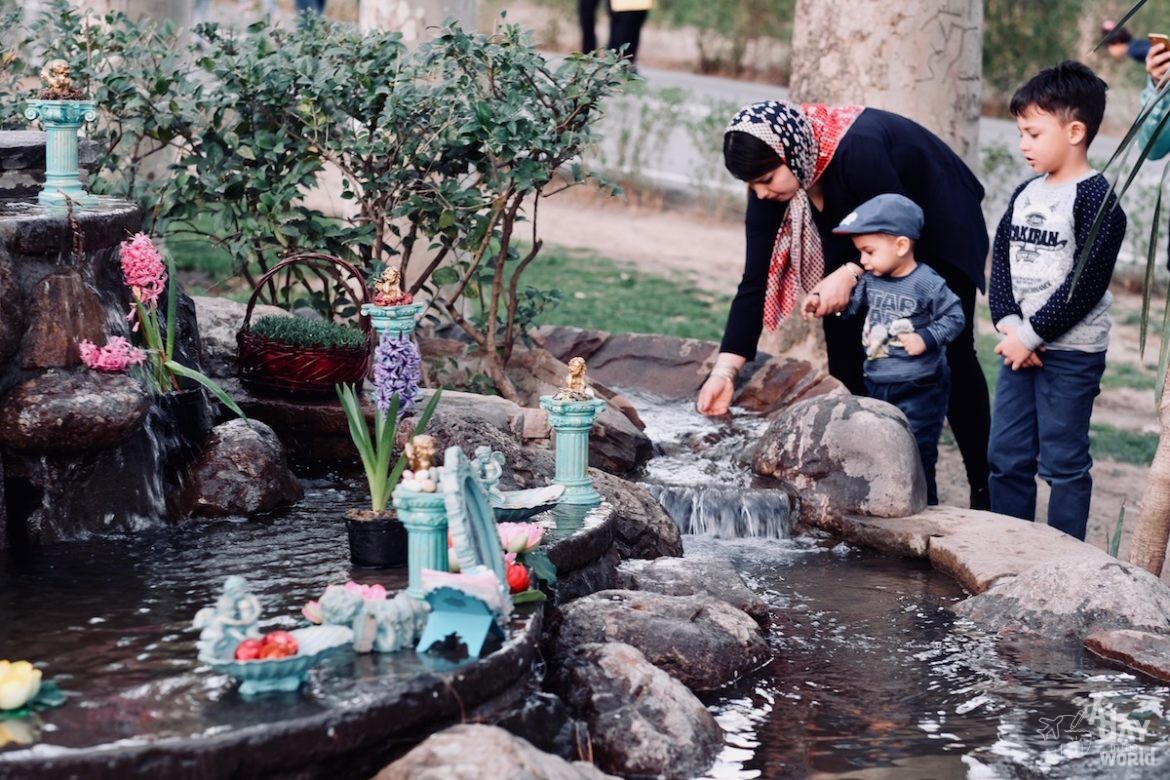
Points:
point(874, 676)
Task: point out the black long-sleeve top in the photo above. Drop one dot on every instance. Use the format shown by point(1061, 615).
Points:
point(881, 152)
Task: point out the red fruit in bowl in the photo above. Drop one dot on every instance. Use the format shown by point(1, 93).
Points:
point(282, 639)
point(248, 650)
point(518, 580)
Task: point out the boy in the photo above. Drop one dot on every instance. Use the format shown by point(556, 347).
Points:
point(1053, 335)
point(912, 316)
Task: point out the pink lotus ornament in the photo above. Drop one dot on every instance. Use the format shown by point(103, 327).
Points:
point(520, 537)
point(312, 612)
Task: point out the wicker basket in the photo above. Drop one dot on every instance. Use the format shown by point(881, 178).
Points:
point(274, 367)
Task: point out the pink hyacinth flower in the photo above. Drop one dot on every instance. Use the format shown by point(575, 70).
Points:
point(367, 592)
point(143, 269)
point(519, 537)
point(312, 612)
point(116, 356)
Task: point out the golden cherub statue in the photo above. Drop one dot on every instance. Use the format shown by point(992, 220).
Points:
point(576, 386)
point(58, 82)
point(420, 453)
point(388, 289)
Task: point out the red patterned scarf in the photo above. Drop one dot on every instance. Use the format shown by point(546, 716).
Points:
point(805, 137)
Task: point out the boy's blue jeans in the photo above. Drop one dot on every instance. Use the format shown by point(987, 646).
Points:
point(924, 402)
point(1040, 424)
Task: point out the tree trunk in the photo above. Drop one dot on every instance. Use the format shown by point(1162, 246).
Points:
point(1148, 549)
point(918, 58)
point(412, 18)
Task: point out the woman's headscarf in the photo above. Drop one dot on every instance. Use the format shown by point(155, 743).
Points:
point(805, 137)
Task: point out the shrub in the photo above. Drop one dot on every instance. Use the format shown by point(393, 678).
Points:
point(301, 332)
point(443, 150)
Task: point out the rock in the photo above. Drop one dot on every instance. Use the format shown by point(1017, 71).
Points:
point(1139, 650)
point(1073, 598)
point(704, 642)
point(241, 471)
point(644, 529)
point(616, 444)
point(686, 577)
point(782, 382)
point(962, 550)
point(11, 314)
point(474, 752)
point(642, 722)
point(63, 411)
point(219, 322)
point(845, 455)
point(668, 367)
point(63, 310)
point(546, 722)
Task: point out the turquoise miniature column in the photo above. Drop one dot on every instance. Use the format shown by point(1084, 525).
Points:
point(572, 421)
point(394, 321)
point(62, 119)
point(425, 518)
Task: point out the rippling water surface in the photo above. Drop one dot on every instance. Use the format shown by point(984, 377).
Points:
point(874, 676)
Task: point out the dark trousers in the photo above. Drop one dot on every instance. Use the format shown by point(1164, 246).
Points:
point(1041, 425)
point(924, 402)
point(625, 28)
point(315, 6)
point(969, 406)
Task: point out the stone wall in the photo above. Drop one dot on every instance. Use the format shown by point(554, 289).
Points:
point(22, 162)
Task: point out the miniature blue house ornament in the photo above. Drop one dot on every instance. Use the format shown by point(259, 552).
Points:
point(474, 603)
point(571, 413)
point(62, 111)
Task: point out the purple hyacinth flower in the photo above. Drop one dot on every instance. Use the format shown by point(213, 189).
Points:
point(397, 370)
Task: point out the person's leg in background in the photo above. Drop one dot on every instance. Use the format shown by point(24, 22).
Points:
point(625, 28)
point(846, 357)
point(587, 14)
point(969, 409)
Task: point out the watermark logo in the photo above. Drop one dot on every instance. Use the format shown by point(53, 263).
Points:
point(1102, 732)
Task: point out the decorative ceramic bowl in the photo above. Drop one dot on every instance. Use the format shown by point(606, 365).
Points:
point(519, 505)
point(285, 674)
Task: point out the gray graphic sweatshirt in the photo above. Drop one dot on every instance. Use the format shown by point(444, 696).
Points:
point(1035, 253)
point(919, 302)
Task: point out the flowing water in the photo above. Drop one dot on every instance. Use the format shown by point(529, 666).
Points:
point(874, 676)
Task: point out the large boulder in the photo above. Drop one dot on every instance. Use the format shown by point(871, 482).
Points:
point(642, 722)
point(666, 366)
point(241, 471)
point(644, 529)
point(704, 642)
point(64, 411)
point(686, 577)
point(784, 381)
point(11, 314)
point(845, 455)
point(474, 752)
point(1072, 598)
point(63, 310)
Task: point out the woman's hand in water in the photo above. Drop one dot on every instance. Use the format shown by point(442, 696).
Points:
point(832, 293)
point(716, 393)
point(715, 396)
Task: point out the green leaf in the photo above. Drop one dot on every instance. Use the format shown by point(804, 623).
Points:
point(529, 597)
point(541, 566)
point(210, 384)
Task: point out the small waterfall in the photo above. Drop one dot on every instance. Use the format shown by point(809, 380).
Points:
point(727, 512)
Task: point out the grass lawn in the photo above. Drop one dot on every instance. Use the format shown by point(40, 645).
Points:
point(605, 294)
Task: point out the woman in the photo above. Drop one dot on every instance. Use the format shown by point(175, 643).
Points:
point(809, 166)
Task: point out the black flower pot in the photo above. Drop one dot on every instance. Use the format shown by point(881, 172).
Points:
point(378, 543)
